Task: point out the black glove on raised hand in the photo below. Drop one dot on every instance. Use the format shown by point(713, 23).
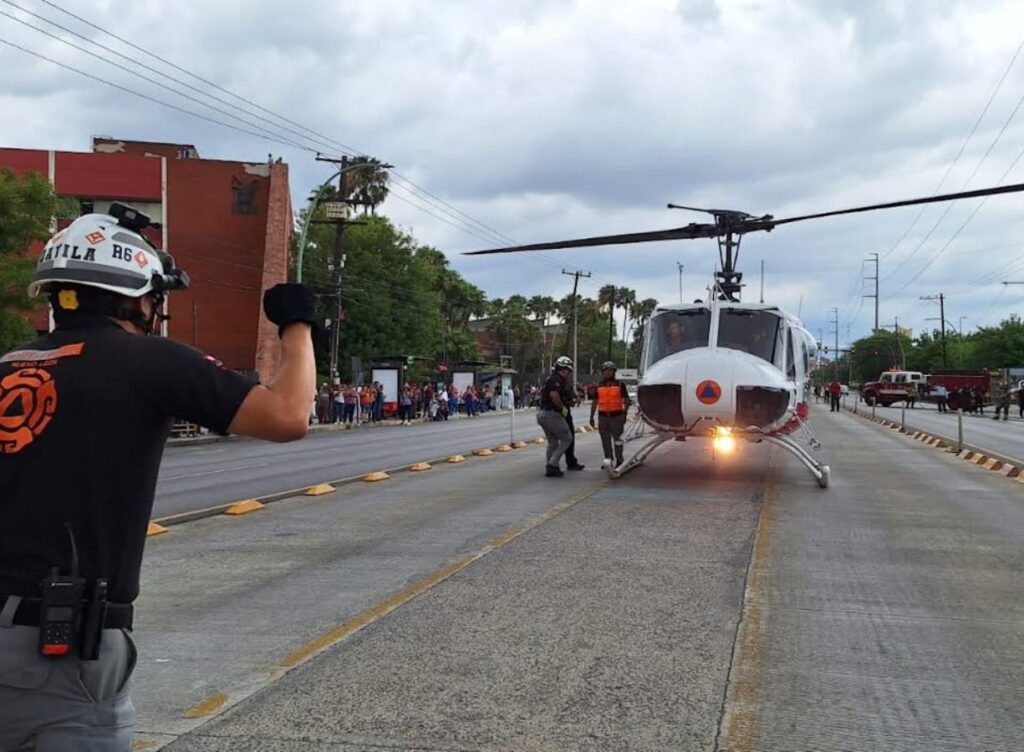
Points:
point(288, 303)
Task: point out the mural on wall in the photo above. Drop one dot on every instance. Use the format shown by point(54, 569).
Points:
point(245, 195)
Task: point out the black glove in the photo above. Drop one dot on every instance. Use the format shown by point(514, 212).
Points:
point(288, 303)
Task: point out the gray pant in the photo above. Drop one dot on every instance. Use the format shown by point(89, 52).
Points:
point(611, 428)
point(557, 432)
point(64, 704)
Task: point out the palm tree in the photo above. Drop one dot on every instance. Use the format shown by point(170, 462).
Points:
point(641, 311)
point(607, 297)
point(542, 307)
point(368, 186)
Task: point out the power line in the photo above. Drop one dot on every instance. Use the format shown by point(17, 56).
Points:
point(194, 75)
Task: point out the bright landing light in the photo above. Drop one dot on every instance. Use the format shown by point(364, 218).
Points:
point(724, 441)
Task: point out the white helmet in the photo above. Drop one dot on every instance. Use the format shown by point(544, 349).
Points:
point(108, 252)
point(564, 362)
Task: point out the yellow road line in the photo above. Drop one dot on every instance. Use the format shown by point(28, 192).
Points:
point(210, 705)
point(739, 722)
point(372, 614)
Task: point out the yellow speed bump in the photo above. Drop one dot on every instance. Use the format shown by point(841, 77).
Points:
point(155, 529)
point(540, 440)
point(456, 458)
point(244, 507)
point(518, 444)
point(420, 467)
point(377, 476)
point(320, 489)
point(485, 452)
point(504, 448)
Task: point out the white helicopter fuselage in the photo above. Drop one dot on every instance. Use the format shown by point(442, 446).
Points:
point(741, 366)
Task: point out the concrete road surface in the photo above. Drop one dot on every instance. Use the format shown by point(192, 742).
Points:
point(1003, 437)
point(209, 474)
point(692, 605)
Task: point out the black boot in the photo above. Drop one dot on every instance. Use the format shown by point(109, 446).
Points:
point(577, 466)
point(552, 471)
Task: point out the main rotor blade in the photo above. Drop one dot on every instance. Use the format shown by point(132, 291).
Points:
point(1017, 187)
point(681, 233)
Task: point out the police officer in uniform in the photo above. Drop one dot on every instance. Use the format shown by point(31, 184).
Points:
point(556, 401)
point(610, 404)
point(84, 414)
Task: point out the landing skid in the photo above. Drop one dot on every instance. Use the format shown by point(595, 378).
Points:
point(637, 431)
point(821, 472)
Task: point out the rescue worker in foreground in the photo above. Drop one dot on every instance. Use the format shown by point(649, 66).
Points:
point(556, 401)
point(86, 410)
point(611, 405)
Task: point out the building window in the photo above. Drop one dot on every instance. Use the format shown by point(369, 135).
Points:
point(245, 195)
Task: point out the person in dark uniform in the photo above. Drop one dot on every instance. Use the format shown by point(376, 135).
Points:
point(554, 414)
point(80, 445)
point(611, 402)
point(571, 399)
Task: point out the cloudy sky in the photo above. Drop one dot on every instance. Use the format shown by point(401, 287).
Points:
point(548, 119)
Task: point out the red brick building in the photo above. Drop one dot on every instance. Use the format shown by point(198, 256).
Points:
point(228, 224)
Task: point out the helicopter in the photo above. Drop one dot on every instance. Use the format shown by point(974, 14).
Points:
point(723, 369)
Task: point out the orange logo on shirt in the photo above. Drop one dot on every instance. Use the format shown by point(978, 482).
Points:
point(28, 400)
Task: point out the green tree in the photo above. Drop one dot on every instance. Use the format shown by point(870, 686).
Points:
point(998, 346)
point(27, 206)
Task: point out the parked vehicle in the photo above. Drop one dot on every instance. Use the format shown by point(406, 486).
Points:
point(892, 387)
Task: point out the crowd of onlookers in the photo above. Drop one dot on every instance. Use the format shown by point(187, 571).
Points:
point(354, 404)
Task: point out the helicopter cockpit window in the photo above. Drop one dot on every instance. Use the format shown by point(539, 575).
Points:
point(754, 332)
point(675, 331)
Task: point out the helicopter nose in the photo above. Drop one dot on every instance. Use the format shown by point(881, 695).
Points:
point(732, 388)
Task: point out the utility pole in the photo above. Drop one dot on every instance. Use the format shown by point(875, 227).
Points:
point(942, 317)
point(575, 318)
point(680, 282)
point(834, 323)
point(875, 280)
point(339, 221)
point(762, 280)
point(896, 335)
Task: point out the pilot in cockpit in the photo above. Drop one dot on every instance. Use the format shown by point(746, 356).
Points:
point(674, 339)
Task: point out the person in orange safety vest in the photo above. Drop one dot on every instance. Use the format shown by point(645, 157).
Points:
point(610, 404)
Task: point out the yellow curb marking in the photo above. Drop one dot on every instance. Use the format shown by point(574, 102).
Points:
point(244, 507)
point(420, 467)
point(155, 529)
point(320, 489)
point(210, 705)
point(483, 452)
point(540, 440)
point(504, 448)
point(518, 444)
point(375, 477)
point(740, 723)
point(456, 458)
point(385, 607)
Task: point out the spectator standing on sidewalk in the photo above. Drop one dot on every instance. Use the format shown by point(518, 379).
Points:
point(835, 389)
point(979, 400)
point(453, 401)
point(351, 403)
point(941, 395)
point(469, 398)
point(323, 405)
point(405, 403)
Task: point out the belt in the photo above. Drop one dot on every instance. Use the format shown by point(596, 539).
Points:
point(119, 615)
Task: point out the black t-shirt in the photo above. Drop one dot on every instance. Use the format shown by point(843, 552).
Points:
point(555, 383)
point(84, 414)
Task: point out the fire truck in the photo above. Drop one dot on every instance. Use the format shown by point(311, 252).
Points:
point(892, 386)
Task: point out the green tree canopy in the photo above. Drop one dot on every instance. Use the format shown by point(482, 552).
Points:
point(27, 206)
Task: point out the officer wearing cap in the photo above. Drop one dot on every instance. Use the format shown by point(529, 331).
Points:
point(610, 404)
point(84, 414)
point(555, 405)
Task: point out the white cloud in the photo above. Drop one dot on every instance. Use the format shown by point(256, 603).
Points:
point(548, 120)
